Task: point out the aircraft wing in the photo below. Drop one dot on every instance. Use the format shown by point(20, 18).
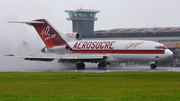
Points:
point(62, 58)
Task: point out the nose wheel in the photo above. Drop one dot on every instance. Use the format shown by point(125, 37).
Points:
point(153, 66)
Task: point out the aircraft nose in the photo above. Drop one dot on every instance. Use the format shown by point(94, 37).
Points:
point(168, 53)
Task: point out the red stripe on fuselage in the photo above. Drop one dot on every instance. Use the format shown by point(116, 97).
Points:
point(121, 51)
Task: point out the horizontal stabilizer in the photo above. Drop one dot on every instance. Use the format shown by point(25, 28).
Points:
point(10, 55)
point(27, 22)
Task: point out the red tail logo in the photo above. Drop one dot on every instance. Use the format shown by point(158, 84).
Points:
point(48, 34)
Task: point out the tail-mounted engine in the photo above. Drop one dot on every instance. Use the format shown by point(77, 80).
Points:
point(44, 50)
point(56, 49)
point(71, 36)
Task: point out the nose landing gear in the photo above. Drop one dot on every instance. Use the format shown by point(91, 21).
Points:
point(153, 66)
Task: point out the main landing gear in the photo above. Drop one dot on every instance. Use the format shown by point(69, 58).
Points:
point(102, 66)
point(80, 66)
point(153, 66)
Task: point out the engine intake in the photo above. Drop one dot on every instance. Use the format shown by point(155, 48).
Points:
point(44, 50)
point(77, 36)
point(71, 36)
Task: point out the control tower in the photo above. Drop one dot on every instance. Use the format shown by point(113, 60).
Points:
point(82, 21)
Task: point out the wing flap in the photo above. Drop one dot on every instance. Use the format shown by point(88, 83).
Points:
point(90, 57)
point(39, 59)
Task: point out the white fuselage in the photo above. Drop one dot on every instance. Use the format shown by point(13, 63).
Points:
point(99, 51)
point(122, 50)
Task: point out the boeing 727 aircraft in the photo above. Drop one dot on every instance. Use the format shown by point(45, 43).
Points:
point(68, 48)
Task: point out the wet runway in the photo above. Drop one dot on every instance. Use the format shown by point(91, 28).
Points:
point(132, 69)
point(125, 69)
point(10, 64)
point(95, 69)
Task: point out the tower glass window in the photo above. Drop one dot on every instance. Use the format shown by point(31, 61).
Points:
point(91, 15)
point(79, 15)
point(94, 15)
point(75, 15)
point(82, 15)
point(70, 15)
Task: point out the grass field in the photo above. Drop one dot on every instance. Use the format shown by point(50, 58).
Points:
point(54, 86)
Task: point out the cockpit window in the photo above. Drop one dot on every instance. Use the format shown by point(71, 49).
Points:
point(161, 47)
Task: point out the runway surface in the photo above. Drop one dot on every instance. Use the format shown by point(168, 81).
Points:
point(10, 64)
point(95, 69)
point(132, 69)
point(125, 69)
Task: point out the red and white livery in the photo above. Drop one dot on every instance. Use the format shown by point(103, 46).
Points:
point(68, 48)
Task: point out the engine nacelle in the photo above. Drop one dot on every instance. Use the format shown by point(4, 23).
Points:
point(71, 36)
point(56, 49)
point(44, 50)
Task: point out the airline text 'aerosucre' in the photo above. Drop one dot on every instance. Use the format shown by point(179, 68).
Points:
point(94, 45)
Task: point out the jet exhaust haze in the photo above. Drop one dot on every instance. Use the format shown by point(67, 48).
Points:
point(13, 42)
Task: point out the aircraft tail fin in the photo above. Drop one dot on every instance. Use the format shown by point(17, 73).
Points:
point(50, 36)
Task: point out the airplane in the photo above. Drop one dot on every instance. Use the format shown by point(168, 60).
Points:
point(68, 48)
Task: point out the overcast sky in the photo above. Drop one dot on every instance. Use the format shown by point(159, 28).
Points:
point(113, 14)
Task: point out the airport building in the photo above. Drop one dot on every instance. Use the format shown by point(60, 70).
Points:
point(83, 23)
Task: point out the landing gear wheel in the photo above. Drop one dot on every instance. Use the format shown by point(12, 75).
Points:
point(80, 66)
point(153, 66)
point(102, 66)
